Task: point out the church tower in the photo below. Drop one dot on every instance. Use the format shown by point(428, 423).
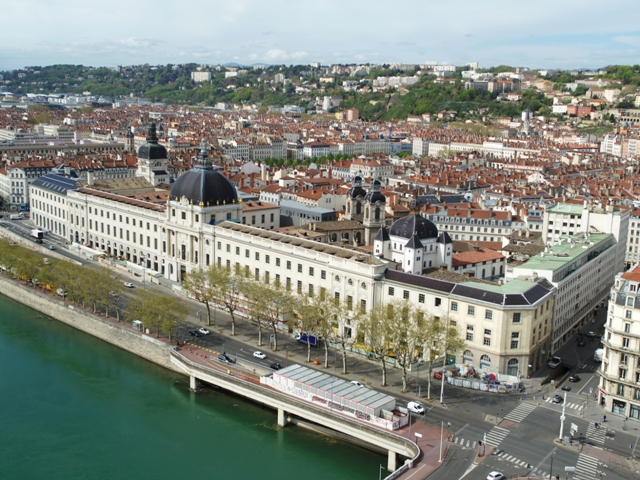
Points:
point(374, 210)
point(152, 159)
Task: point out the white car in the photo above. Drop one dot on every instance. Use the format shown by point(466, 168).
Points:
point(415, 407)
point(259, 355)
point(204, 331)
point(495, 476)
point(128, 284)
point(357, 383)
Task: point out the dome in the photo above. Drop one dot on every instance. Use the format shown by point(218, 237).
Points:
point(414, 224)
point(202, 184)
point(374, 195)
point(152, 150)
point(356, 190)
point(129, 134)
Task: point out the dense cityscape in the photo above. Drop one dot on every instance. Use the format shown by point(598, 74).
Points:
point(417, 228)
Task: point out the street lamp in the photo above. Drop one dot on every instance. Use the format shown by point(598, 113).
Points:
point(551, 469)
point(237, 361)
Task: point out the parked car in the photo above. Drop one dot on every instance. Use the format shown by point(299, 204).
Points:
point(437, 375)
point(566, 388)
point(574, 378)
point(592, 334)
point(128, 284)
point(554, 362)
point(194, 333)
point(582, 343)
point(357, 383)
point(496, 476)
point(275, 366)
point(224, 358)
point(204, 331)
point(51, 247)
point(61, 293)
point(557, 399)
point(415, 407)
point(259, 355)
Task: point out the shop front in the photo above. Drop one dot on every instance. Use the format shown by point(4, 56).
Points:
point(619, 407)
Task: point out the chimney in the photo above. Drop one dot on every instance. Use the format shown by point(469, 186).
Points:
point(90, 178)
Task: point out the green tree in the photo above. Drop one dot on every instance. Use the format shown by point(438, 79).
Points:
point(441, 338)
point(343, 318)
point(374, 330)
point(198, 285)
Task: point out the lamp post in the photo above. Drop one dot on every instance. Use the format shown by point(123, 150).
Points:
point(562, 417)
point(409, 425)
point(551, 469)
point(441, 433)
point(144, 272)
point(380, 472)
point(237, 351)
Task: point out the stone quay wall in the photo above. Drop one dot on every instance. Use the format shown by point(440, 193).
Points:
point(121, 335)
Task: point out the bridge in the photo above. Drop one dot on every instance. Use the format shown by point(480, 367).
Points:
point(394, 444)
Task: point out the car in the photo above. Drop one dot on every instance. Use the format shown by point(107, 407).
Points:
point(259, 355)
point(275, 366)
point(415, 407)
point(224, 358)
point(128, 284)
point(582, 343)
point(554, 362)
point(557, 399)
point(61, 293)
point(357, 383)
point(496, 476)
point(437, 375)
point(51, 247)
point(566, 388)
point(574, 378)
point(592, 334)
point(204, 331)
point(194, 333)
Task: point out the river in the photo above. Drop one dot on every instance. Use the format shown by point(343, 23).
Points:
point(73, 406)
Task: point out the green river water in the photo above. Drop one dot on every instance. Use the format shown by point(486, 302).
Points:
point(72, 406)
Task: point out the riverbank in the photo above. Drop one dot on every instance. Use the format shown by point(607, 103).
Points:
point(119, 334)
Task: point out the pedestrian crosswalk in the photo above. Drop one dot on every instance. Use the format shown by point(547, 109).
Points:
point(586, 467)
point(596, 435)
point(520, 463)
point(496, 435)
point(589, 367)
point(519, 413)
point(465, 443)
point(575, 406)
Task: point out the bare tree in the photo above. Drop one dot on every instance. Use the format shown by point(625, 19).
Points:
point(440, 338)
point(198, 285)
point(343, 318)
point(374, 331)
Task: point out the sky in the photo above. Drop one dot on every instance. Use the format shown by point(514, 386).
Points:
point(544, 34)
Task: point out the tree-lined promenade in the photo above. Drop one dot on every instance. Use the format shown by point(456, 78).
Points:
point(398, 333)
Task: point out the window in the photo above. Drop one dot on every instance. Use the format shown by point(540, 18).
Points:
point(488, 314)
point(310, 290)
point(288, 283)
point(257, 274)
point(469, 337)
point(246, 252)
point(299, 268)
point(421, 298)
point(391, 291)
point(630, 302)
point(311, 271)
point(299, 286)
point(487, 341)
point(267, 259)
point(487, 332)
point(471, 310)
point(288, 264)
point(454, 306)
point(625, 342)
point(621, 390)
point(627, 314)
point(323, 274)
point(438, 301)
point(363, 306)
point(349, 302)
point(277, 261)
point(515, 334)
point(405, 294)
point(516, 317)
point(514, 344)
point(266, 277)
point(627, 328)
point(237, 250)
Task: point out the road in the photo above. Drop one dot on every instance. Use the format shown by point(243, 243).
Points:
point(522, 428)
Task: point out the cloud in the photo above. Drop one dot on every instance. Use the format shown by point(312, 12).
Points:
point(277, 55)
point(134, 42)
point(633, 40)
point(406, 44)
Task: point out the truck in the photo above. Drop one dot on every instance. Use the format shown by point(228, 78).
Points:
point(15, 216)
point(597, 355)
point(39, 234)
point(304, 338)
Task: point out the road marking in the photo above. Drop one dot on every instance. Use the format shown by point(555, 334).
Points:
point(598, 435)
point(519, 413)
point(586, 467)
point(496, 435)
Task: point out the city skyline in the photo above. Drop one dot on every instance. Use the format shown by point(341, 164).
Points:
point(542, 35)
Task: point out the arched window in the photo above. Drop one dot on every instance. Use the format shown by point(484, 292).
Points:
point(513, 361)
point(485, 359)
point(358, 208)
point(512, 367)
point(469, 354)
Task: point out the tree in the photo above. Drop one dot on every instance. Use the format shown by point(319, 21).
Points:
point(375, 332)
point(226, 285)
point(159, 312)
point(441, 338)
point(277, 306)
point(197, 284)
point(309, 313)
point(406, 334)
point(343, 318)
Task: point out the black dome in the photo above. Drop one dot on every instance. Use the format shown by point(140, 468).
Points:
point(152, 150)
point(356, 190)
point(407, 226)
point(202, 184)
point(374, 195)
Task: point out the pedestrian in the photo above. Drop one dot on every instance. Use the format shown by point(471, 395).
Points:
point(228, 372)
point(604, 419)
